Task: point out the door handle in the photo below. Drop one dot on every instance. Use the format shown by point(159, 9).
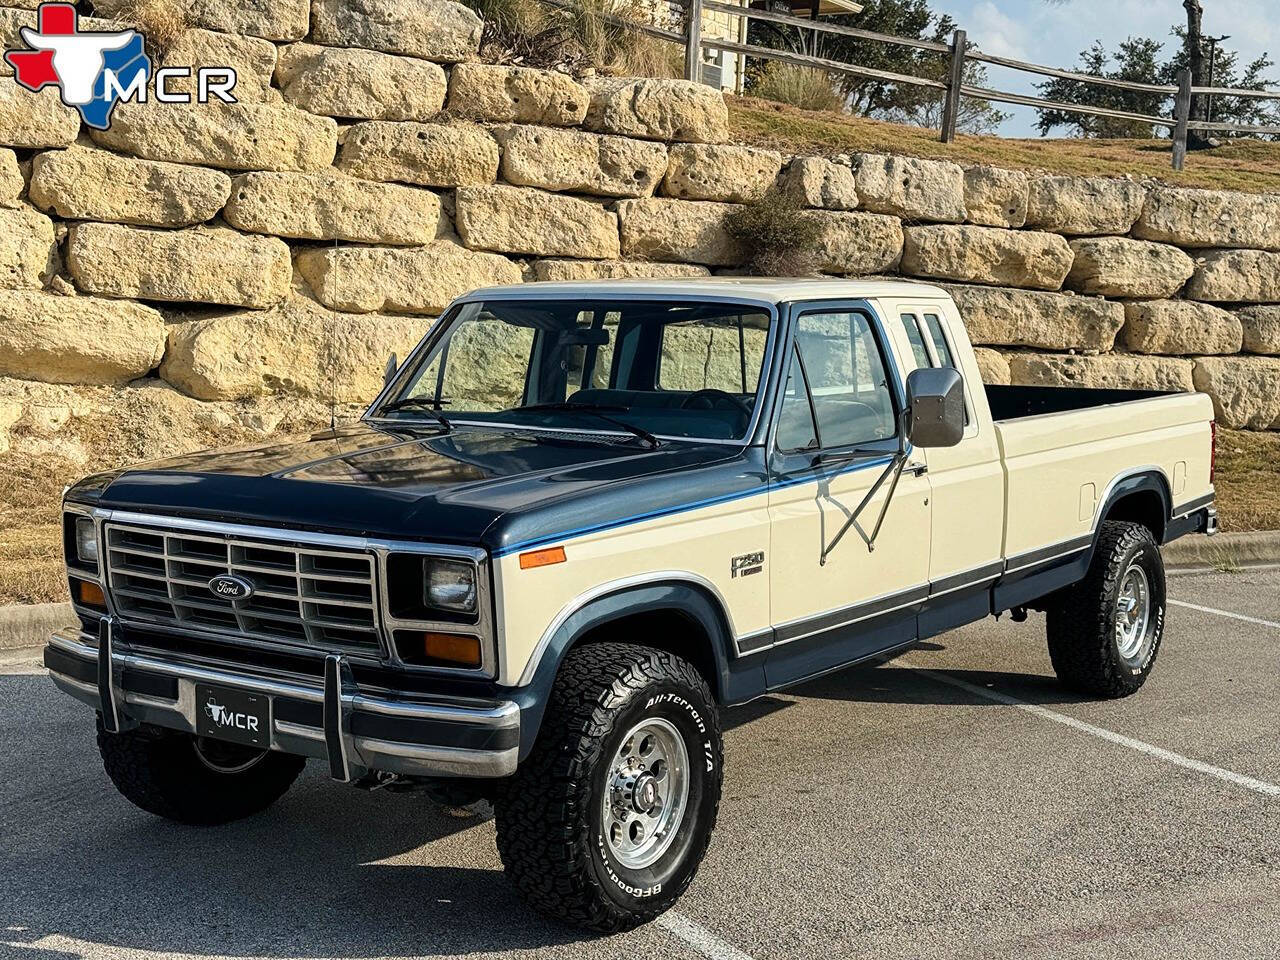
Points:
point(917, 469)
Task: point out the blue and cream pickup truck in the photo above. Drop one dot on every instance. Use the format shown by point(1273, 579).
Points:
point(579, 521)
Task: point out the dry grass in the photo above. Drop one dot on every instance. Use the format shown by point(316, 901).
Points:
point(1250, 166)
point(160, 21)
point(1248, 480)
point(31, 493)
point(30, 521)
point(801, 87)
point(534, 34)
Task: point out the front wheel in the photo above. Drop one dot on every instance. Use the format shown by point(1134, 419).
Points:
point(1105, 632)
point(606, 822)
point(194, 780)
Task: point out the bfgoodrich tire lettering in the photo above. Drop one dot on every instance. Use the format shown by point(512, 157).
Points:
point(551, 821)
point(161, 772)
point(1086, 626)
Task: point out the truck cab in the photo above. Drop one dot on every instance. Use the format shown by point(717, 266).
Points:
point(578, 521)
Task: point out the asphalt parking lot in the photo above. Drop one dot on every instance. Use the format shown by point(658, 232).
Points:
point(951, 803)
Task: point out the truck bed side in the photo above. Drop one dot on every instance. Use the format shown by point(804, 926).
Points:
point(1061, 467)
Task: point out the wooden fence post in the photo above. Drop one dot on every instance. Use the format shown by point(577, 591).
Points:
point(955, 80)
point(1182, 114)
point(693, 42)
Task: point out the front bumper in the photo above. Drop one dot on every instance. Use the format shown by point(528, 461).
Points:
point(355, 731)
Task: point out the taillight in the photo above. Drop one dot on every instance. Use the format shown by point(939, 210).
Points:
point(1213, 450)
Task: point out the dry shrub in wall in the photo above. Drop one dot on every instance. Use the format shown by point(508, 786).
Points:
point(776, 236)
point(536, 34)
point(160, 21)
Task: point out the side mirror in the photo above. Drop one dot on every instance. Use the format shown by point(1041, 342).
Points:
point(935, 407)
point(393, 365)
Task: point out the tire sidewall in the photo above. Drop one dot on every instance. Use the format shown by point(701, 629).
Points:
point(661, 882)
point(1145, 553)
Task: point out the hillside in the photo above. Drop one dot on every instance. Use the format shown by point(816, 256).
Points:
point(1250, 166)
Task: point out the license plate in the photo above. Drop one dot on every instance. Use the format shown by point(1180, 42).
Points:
point(233, 715)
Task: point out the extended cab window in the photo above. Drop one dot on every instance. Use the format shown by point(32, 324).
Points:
point(941, 348)
point(912, 326)
point(848, 396)
point(938, 353)
point(674, 369)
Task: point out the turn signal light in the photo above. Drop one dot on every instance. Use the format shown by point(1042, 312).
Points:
point(541, 558)
point(454, 649)
point(88, 594)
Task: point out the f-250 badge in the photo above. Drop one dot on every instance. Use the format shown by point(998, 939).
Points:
point(746, 565)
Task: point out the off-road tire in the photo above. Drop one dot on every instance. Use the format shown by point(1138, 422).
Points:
point(160, 772)
point(549, 816)
point(1082, 621)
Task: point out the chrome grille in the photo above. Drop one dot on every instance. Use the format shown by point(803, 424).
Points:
point(302, 596)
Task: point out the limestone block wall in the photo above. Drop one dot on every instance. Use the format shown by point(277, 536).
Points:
point(246, 261)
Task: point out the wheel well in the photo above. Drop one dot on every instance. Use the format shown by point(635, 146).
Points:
point(668, 629)
point(1142, 506)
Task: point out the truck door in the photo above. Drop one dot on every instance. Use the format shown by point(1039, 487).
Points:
point(967, 480)
point(834, 435)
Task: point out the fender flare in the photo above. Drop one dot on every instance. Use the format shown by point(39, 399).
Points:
point(1150, 480)
point(682, 597)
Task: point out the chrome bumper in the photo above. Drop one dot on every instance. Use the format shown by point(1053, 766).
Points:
point(1211, 522)
point(412, 735)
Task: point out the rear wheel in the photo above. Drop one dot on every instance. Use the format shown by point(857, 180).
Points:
point(194, 780)
point(1105, 632)
point(606, 823)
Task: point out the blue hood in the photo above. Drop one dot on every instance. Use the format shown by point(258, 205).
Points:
point(490, 487)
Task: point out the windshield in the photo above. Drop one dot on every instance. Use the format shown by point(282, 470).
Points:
point(651, 369)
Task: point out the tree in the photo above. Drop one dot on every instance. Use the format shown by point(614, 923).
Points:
point(1136, 61)
point(903, 103)
point(1140, 60)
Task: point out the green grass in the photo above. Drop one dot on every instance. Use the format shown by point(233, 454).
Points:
point(1250, 166)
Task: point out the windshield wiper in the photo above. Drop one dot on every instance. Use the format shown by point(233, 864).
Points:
point(425, 404)
point(598, 410)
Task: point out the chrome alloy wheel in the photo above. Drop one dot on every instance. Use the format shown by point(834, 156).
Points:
point(646, 793)
point(1133, 614)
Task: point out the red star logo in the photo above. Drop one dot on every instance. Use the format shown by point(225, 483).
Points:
point(33, 69)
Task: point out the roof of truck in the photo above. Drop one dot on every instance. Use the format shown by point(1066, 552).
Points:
point(770, 290)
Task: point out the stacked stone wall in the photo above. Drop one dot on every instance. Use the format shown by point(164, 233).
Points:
point(274, 252)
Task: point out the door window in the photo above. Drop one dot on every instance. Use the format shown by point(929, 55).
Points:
point(848, 400)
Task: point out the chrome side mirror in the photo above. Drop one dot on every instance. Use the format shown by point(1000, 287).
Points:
point(389, 374)
point(935, 407)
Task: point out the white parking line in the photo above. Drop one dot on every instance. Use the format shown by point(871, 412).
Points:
point(699, 937)
point(1225, 613)
point(1177, 759)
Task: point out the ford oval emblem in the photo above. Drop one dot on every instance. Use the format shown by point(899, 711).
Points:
point(228, 587)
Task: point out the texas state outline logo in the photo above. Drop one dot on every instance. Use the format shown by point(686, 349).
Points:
point(96, 69)
point(93, 70)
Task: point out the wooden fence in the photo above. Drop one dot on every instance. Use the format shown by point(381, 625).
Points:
point(958, 52)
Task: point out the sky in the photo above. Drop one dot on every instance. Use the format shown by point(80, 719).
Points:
point(1054, 34)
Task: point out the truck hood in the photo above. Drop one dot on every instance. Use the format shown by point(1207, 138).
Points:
point(476, 485)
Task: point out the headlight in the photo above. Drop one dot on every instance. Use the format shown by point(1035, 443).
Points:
point(450, 585)
point(86, 540)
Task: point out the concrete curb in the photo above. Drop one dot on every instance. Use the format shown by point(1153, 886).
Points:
point(1226, 550)
point(29, 625)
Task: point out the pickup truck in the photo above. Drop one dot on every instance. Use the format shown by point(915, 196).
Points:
point(580, 521)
